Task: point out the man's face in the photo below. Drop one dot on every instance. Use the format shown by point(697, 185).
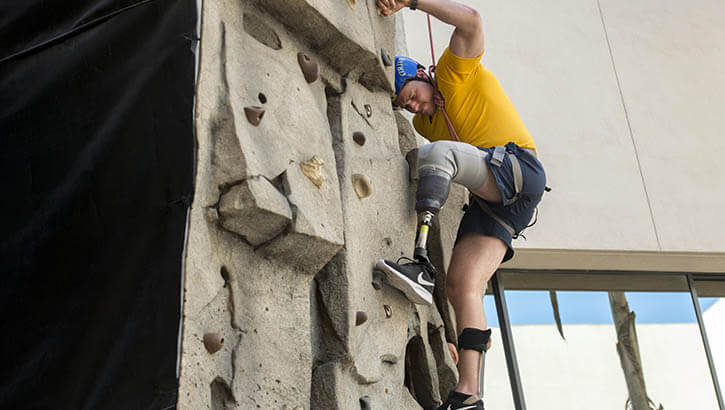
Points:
point(417, 97)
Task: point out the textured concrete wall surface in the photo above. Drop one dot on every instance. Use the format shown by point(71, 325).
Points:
point(302, 184)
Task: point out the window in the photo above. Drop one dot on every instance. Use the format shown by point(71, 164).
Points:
point(585, 366)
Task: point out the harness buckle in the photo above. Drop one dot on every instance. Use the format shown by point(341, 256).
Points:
point(498, 154)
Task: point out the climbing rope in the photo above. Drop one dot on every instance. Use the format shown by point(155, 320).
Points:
point(430, 37)
point(431, 75)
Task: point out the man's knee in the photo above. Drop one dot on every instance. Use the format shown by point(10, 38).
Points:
point(462, 289)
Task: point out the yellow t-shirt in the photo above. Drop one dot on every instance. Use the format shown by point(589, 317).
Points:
point(477, 105)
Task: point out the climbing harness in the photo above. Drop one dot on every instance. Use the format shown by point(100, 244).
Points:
point(497, 159)
point(487, 209)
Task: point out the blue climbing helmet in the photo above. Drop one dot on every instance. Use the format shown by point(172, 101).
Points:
point(405, 69)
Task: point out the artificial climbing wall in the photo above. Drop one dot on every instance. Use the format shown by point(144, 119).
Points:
point(302, 183)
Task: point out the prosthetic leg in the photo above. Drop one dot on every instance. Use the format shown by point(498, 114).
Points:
point(433, 189)
point(439, 164)
point(416, 279)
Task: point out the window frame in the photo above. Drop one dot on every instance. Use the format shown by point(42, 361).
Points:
point(527, 279)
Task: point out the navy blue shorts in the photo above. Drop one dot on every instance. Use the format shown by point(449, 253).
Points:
point(518, 214)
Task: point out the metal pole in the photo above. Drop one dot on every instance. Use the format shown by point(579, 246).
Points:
point(701, 323)
point(508, 342)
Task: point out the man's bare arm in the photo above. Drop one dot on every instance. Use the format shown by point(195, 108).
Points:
point(467, 38)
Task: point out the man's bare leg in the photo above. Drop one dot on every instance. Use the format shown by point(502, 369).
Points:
point(475, 259)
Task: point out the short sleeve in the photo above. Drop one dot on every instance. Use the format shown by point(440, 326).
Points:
point(454, 69)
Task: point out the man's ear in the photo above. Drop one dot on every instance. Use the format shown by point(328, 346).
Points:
point(438, 98)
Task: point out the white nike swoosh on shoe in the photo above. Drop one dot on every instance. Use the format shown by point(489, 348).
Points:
point(423, 281)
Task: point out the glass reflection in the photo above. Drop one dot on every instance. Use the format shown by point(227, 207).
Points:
point(580, 371)
point(586, 367)
point(674, 362)
point(713, 314)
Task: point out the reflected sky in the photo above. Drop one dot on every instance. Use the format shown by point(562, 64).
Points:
point(534, 307)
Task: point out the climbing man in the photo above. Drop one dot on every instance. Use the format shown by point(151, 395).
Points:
point(480, 142)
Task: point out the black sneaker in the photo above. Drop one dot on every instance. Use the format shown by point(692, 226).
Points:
point(471, 403)
point(416, 279)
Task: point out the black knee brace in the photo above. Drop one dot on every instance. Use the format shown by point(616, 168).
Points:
point(474, 339)
point(432, 192)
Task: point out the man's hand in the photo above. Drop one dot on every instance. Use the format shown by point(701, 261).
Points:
point(388, 7)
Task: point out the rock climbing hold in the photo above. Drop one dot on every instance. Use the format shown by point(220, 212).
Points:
point(368, 110)
point(360, 318)
point(362, 185)
point(312, 169)
point(211, 214)
point(359, 138)
point(351, 3)
point(213, 342)
point(386, 57)
point(388, 311)
point(254, 114)
point(309, 67)
point(262, 98)
point(365, 402)
point(389, 358)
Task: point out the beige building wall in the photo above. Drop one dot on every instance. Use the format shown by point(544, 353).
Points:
point(626, 102)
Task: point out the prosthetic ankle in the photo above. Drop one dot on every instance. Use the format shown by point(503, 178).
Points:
point(421, 250)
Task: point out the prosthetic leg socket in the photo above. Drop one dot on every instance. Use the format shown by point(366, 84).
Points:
point(433, 190)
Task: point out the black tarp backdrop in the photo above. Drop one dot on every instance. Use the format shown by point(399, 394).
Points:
point(96, 177)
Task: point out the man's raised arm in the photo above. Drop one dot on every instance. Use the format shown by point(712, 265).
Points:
point(467, 38)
